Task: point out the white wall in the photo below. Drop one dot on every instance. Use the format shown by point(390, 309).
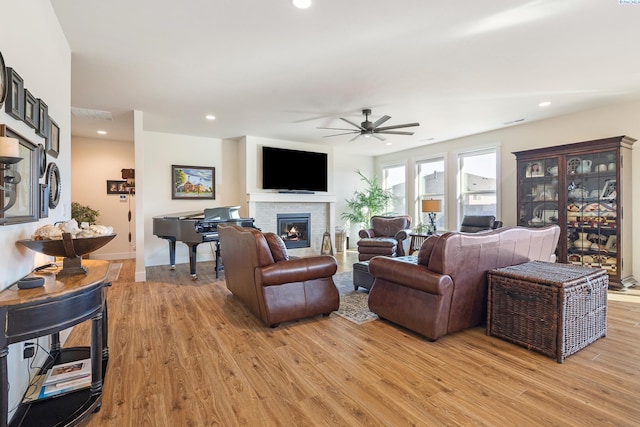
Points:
point(162, 150)
point(608, 121)
point(93, 162)
point(34, 45)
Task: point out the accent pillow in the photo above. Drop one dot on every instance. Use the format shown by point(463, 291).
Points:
point(277, 246)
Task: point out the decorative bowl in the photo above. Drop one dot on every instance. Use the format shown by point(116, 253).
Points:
point(80, 246)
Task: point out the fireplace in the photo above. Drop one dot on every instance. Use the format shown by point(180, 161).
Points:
point(295, 229)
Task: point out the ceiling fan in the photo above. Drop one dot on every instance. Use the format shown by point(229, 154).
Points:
point(373, 129)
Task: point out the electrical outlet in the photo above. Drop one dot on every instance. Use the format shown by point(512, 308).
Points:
point(28, 350)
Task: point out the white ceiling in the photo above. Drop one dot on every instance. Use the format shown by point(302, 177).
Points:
point(264, 68)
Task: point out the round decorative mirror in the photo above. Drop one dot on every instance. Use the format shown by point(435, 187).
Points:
point(3, 80)
point(53, 181)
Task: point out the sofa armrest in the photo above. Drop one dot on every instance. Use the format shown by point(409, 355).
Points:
point(296, 270)
point(367, 234)
point(411, 275)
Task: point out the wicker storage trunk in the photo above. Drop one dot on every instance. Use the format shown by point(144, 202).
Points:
point(555, 309)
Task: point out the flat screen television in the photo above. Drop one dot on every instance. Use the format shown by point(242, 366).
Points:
point(293, 170)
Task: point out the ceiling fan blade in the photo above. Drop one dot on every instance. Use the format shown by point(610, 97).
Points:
point(346, 133)
point(378, 137)
point(353, 130)
point(408, 125)
point(394, 132)
point(355, 137)
point(380, 121)
point(352, 124)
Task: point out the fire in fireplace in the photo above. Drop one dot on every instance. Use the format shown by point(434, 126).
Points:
point(294, 229)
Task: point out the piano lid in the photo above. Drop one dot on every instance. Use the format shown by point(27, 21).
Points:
point(182, 215)
point(222, 213)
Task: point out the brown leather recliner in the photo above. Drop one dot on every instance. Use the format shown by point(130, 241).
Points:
point(477, 223)
point(272, 286)
point(446, 290)
point(388, 236)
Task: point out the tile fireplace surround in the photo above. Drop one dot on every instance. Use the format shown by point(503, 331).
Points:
point(264, 207)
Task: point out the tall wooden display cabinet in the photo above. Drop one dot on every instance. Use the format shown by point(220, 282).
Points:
point(585, 188)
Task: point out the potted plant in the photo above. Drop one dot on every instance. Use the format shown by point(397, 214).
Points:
point(373, 200)
point(82, 213)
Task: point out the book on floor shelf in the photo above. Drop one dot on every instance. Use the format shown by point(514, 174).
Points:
point(38, 390)
point(68, 371)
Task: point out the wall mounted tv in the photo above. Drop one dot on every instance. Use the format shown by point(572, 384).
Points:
point(293, 170)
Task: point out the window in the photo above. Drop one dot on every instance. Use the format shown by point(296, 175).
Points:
point(431, 180)
point(394, 180)
point(477, 178)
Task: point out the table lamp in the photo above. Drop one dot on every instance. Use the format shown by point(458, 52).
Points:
point(432, 206)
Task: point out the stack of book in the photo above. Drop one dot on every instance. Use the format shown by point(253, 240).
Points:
point(61, 379)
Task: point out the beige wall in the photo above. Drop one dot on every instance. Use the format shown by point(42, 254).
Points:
point(614, 120)
point(93, 162)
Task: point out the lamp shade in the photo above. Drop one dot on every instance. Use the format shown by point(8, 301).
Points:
point(431, 205)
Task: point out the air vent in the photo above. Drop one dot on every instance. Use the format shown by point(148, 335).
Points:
point(85, 113)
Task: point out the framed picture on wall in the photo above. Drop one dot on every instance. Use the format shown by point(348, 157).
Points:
point(53, 142)
point(193, 182)
point(43, 116)
point(117, 187)
point(31, 113)
point(15, 94)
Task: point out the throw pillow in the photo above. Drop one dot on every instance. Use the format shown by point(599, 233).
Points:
point(277, 246)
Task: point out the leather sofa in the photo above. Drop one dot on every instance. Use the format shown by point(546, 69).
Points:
point(273, 286)
point(446, 289)
point(388, 236)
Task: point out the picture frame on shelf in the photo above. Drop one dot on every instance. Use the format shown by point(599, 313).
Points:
point(193, 182)
point(609, 190)
point(15, 94)
point(31, 112)
point(43, 115)
point(534, 169)
point(53, 140)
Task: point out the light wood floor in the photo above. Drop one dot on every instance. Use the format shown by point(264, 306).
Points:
point(186, 353)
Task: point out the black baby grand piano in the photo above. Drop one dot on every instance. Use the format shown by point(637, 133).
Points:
point(193, 228)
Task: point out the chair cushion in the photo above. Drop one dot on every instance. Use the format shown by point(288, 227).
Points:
point(277, 247)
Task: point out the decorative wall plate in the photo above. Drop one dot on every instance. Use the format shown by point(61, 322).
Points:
point(42, 160)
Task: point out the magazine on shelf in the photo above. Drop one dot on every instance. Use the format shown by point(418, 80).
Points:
point(38, 390)
point(68, 371)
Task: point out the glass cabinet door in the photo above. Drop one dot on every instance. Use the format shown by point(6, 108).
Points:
point(538, 192)
point(592, 210)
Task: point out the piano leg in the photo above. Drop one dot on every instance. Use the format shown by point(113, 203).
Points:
point(218, 260)
point(172, 251)
point(193, 248)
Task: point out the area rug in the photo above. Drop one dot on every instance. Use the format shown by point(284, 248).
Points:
point(114, 271)
point(353, 304)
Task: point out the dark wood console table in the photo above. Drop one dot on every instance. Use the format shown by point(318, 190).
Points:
point(59, 304)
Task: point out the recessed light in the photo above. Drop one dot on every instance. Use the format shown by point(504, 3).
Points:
point(544, 104)
point(210, 117)
point(102, 132)
point(301, 4)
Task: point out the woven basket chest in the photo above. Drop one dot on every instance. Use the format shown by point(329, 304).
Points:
point(555, 309)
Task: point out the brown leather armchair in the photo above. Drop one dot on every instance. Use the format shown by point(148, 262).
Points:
point(446, 290)
point(388, 236)
point(476, 223)
point(271, 285)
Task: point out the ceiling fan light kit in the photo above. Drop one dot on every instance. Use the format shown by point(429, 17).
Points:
point(371, 129)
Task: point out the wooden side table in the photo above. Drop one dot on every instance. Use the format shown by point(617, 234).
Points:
point(59, 304)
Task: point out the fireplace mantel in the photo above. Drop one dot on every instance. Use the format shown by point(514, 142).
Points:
point(291, 198)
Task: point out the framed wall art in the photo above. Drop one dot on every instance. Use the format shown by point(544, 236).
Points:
point(43, 116)
point(3, 80)
point(117, 187)
point(31, 112)
point(43, 200)
point(15, 95)
point(193, 182)
point(53, 140)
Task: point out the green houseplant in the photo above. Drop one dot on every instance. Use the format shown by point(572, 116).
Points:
point(373, 200)
point(82, 213)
